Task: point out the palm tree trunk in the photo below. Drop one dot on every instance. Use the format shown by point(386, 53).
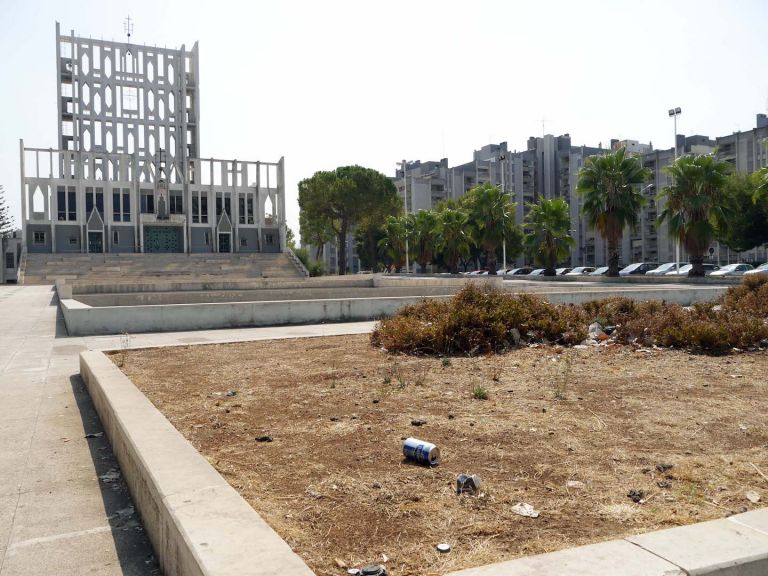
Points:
point(613, 258)
point(490, 262)
point(697, 268)
point(341, 243)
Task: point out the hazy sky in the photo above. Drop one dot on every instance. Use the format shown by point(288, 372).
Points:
point(327, 83)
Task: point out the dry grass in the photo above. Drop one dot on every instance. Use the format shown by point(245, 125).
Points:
point(334, 484)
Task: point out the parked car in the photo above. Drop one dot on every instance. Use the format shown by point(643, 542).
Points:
point(762, 269)
point(637, 268)
point(733, 270)
point(665, 268)
point(562, 271)
point(537, 272)
point(580, 271)
point(601, 271)
point(708, 269)
point(519, 271)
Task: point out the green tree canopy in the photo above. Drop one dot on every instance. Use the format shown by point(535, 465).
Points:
point(491, 213)
point(547, 225)
point(611, 197)
point(339, 200)
point(696, 204)
point(392, 244)
point(451, 236)
point(422, 229)
point(747, 224)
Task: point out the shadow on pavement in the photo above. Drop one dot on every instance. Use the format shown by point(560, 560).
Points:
point(132, 544)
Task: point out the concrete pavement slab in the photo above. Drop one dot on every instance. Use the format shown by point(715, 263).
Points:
point(719, 547)
point(613, 558)
point(56, 517)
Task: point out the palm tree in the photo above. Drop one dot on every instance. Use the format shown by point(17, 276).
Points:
point(548, 238)
point(422, 228)
point(696, 204)
point(491, 213)
point(612, 199)
point(393, 242)
point(451, 236)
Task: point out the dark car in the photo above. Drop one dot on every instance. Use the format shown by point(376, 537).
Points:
point(638, 268)
point(518, 271)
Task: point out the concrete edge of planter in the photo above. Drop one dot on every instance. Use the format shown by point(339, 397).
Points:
point(197, 523)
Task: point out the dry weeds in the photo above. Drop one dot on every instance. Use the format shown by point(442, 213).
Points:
point(333, 482)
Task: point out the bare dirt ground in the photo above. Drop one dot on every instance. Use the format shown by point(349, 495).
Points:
point(334, 484)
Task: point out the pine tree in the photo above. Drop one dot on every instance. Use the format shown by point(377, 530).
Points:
point(6, 222)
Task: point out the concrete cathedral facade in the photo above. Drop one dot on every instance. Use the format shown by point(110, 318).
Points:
point(127, 175)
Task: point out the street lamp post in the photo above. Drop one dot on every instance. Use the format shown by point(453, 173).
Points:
point(500, 159)
point(674, 113)
point(405, 207)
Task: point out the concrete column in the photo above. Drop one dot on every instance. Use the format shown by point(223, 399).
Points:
point(281, 204)
point(23, 183)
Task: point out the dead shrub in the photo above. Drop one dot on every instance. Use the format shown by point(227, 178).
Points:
point(476, 322)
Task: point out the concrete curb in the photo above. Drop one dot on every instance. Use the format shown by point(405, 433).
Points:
point(197, 523)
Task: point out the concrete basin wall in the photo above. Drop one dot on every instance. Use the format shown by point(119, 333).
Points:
point(82, 319)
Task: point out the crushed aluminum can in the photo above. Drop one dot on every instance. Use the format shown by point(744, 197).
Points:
point(373, 570)
point(467, 484)
point(421, 451)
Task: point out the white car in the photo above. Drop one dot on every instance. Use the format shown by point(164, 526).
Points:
point(580, 271)
point(762, 269)
point(537, 272)
point(733, 270)
point(665, 268)
point(709, 269)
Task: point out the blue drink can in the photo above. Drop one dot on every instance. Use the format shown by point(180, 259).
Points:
point(421, 451)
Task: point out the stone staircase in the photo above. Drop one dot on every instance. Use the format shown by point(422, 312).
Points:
point(126, 268)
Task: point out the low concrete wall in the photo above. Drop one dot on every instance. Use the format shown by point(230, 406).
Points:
point(157, 285)
point(380, 280)
point(264, 295)
point(197, 523)
point(83, 320)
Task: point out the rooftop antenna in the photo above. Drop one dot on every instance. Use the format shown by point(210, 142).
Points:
point(128, 28)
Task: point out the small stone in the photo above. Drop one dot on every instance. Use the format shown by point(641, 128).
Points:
point(418, 422)
point(752, 496)
point(662, 467)
point(451, 416)
point(334, 418)
point(376, 484)
point(375, 400)
point(264, 438)
point(523, 509)
point(664, 484)
point(231, 393)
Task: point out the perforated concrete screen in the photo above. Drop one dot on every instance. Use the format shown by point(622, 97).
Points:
point(128, 125)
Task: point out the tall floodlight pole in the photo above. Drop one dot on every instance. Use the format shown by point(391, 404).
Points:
point(501, 158)
point(404, 164)
point(674, 113)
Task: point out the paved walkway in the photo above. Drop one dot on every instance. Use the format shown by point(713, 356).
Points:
point(63, 508)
